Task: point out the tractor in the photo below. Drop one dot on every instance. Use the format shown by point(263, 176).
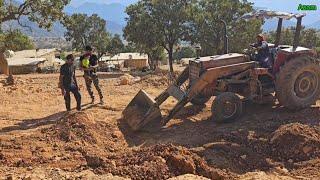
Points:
point(233, 78)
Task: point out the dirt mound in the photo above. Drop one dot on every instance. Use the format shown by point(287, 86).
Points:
point(156, 80)
point(56, 173)
point(296, 142)
point(75, 127)
point(188, 177)
point(81, 129)
point(158, 162)
point(127, 79)
point(264, 175)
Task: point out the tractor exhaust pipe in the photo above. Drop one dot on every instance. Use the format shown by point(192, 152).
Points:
point(226, 39)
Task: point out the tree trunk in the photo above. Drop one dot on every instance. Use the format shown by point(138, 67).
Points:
point(156, 64)
point(170, 53)
point(150, 61)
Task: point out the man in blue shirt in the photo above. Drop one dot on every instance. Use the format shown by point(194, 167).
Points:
point(68, 83)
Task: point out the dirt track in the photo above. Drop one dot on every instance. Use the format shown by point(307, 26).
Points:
point(37, 137)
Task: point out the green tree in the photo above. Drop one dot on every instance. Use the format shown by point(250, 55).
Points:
point(147, 41)
point(85, 30)
point(208, 30)
point(287, 36)
point(154, 23)
point(116, 45)
point(15, 40)
point(130, 47)
point(44, 13)
point(184, 52)
point(309, 38)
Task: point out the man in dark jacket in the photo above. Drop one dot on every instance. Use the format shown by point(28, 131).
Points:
point(68, 83)
point(89, 64)
point(264, 55)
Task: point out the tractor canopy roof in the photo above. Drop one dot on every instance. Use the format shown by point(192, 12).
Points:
point(268, 14)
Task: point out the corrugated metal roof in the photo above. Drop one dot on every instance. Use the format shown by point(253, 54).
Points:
point(105, 58)
point(126, 56)
point(59, 61)
point(24, 61)
point(267, 14)
point(32, 53)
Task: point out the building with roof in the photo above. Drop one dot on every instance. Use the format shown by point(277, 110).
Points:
point(30, 61)
point(25, 65)
point(132, 60)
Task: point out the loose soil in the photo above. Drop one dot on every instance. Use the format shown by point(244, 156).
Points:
point(39, 140)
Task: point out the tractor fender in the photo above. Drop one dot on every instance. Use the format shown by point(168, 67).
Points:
point(283, 57)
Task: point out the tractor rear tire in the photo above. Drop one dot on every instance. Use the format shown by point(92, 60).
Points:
point(226, 107)
point(298, 83)
point(200, 100)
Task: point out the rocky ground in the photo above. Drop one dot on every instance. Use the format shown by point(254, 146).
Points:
point(39, 140)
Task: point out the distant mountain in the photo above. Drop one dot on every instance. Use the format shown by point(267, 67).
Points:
point(34, 31)
point(110, 12)
point(113, 13)
point(76, 3)
point(315, 25)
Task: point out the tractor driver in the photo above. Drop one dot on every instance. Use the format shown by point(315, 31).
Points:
point(264, 55)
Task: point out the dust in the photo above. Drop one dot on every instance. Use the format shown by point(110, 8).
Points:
point(159, 162)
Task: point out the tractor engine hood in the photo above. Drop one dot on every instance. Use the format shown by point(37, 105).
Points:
point(219, 60)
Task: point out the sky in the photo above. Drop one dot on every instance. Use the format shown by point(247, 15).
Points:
point(279, 5)
point(291, 6)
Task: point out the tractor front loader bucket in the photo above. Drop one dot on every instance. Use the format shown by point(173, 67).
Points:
point(142, 110)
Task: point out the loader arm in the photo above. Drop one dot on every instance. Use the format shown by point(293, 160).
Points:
point(208, 77)
point(183, 77)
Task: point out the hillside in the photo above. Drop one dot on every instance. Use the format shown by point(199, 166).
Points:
point(113, 13)
point(56, 31)
point(315, 25)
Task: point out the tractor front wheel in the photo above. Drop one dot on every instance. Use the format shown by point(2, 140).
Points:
point(298, 83)
point(226, 107)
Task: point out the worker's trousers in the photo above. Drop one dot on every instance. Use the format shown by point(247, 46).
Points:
point(74, 89)
point(93, 79)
